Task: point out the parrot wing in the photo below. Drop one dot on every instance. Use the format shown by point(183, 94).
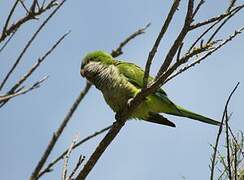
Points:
point(135, 74)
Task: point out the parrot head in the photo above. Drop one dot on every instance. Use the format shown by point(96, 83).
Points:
point(94, 60)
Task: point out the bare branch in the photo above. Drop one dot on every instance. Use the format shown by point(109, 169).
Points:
point(29, 16)
point(227, 143)
point(58, 132)
point(236, 142)
point(153, 51)
point(201, 2)
point(209, 21)
point(23, 91)
point(23, 4)
point(219, 133)
point(232, 13)
point(49, 166)
point(235, 162)
point(9, 17)
point(66, 158)
point(80, 161)
point(100, 149)
point(6, 43)
point(231, 5)
point(179, 52)
point(235, 11)
point(228, 13)
point(29, 43)
point(178, 41)
point(117, 52)
point(32, 69)
point(38, 63)
point(43, 4)
point(237, 32)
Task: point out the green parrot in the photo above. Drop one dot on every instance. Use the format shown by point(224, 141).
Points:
point(120, 81)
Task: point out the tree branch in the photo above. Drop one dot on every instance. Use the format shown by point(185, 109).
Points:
point(33, 68)
point(219, 133)
point(29, 43)
point(50, 165)
point(30, 15)
point(117, 52)
point(179, 39)
point(231, 37)
point(23, 91)
point(66, 159)
point(58, 132)
point(153, 51)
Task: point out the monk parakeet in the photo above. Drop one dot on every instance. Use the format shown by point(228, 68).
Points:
point(120, 81)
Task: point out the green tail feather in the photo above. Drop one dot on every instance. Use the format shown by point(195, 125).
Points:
point(185, 113)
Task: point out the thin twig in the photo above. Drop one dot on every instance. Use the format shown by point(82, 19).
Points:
point(38, 63)
point(236, 142)
point(219, 133)
point(235, 162)
point(23, 4)
point(235, 11)
point(209, 21)
point(80, 161)
point(116, 127)
point(227, 143)
point(33, 68)
point(231, 5)
point(212, 26)
point(8, 19)
point(202, 35)
point(58, 132)
point(179, 40)
point(29, 16)
point(231, 37)
point(117, 52)
point(23, 91)
point(201, 2)
point(6, 43)
point(163, 30)
point(66, 158)
point(43, 4)
point(29, 43)
point(179, 52)
point(50, 165)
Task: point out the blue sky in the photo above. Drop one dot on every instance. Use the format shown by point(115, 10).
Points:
point(141, 150)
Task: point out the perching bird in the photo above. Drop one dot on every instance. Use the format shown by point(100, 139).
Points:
point(120, 81)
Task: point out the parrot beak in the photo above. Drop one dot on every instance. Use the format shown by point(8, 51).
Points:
point(82, 72)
